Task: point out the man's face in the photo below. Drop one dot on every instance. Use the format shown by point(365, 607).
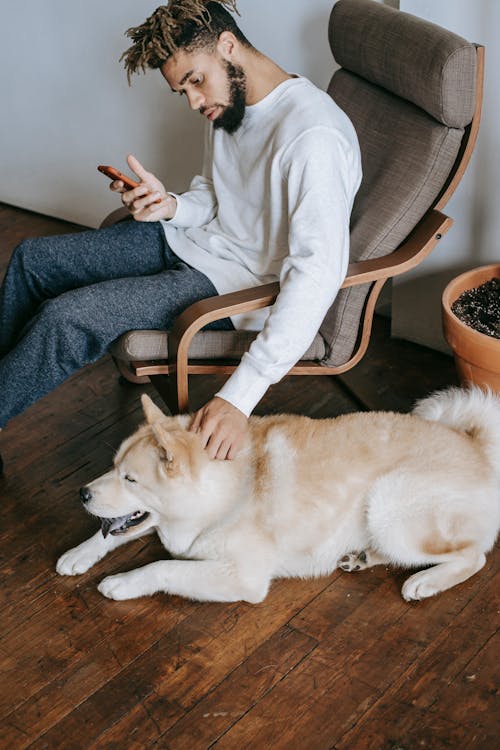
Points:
point(213, 86)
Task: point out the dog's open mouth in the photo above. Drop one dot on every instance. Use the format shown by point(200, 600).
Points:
point(121, 524)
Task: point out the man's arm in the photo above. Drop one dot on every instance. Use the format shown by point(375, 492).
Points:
point(322, 177)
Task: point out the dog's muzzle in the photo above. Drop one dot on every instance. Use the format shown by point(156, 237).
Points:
point(121, 524)
point(118, 525)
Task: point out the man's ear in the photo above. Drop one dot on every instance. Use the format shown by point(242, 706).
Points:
point(226, 44)
point(151, 411)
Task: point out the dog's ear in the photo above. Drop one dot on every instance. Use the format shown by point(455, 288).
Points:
point(151, 411)
point(166, 445)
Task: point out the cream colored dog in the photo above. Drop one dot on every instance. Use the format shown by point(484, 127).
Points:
point(413, 490)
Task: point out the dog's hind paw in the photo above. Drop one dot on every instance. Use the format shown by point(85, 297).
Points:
point(419, 586)
point(353, 561)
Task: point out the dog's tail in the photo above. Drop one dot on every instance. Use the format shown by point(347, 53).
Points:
point(471, 410)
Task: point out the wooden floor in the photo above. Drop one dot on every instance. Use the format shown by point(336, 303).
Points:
point(336, 663)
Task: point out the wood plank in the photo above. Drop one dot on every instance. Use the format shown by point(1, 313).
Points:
point(449, 683)
point(184, 665)
point(72, 619)
point(32, 719)
point(226, 704)
point(352, 668)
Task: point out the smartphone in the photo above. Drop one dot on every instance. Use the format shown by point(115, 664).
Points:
point(115, 174)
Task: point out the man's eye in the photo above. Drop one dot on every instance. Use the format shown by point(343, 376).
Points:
point(128, 478)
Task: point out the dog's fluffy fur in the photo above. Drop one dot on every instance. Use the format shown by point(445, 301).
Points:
point(303, 497)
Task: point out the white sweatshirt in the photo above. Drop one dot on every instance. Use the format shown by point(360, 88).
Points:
point(273, 204)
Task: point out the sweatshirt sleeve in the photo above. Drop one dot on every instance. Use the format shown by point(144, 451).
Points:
point(322, 174)
point(198, 205)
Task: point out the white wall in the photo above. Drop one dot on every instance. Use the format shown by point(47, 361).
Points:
point(475, 237)
point(66, 105)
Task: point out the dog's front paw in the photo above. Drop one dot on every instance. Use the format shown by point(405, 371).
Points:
point(75, 561)
point(119, 587)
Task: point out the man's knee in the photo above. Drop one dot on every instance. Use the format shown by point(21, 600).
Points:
point(60, 313)
point(68, 334)
point(27, 254)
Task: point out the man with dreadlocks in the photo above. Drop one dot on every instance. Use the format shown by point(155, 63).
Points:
point(273, 201)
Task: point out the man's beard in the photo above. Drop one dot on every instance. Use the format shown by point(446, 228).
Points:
point(233, 113)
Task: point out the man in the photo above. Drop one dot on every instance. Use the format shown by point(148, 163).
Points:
point(281, 169)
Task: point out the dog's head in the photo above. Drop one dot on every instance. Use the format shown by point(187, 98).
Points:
point(151, 478)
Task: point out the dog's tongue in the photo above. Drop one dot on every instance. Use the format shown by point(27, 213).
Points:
point(122, 523)
point(113, 525)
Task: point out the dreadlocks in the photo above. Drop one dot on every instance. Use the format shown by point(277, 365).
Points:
point(189, 24)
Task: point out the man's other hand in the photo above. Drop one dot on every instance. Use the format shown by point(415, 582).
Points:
point(222, 428)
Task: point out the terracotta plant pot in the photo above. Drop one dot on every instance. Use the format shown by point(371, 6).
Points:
point(477, 356)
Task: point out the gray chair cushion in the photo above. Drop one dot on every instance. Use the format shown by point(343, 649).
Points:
point(414, 59)
point(407, 156)
point(407, 153)
point(153, 345)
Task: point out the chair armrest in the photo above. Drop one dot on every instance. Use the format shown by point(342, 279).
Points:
point(199, 314)
point(414, 249)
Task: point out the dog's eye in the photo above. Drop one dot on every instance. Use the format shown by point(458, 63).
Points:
point(128, 478)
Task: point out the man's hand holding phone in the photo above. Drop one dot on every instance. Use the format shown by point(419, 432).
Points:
point(147, 200)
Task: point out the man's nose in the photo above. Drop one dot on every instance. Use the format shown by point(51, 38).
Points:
point(85, 494)
point(196, 100)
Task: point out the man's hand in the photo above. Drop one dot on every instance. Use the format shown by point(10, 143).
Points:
point(149, 201)
point(222, 428)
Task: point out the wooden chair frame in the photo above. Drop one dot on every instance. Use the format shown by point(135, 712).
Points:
point(170, 378)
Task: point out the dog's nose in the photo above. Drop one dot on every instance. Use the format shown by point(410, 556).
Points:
point(85, 494)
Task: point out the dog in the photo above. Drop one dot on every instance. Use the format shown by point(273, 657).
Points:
point(303, 497)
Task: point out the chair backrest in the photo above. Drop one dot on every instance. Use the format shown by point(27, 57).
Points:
point(409, 87)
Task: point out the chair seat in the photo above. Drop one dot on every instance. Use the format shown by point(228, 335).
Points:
point(153, 345)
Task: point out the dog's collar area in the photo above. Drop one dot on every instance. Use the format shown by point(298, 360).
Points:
point(121, 524)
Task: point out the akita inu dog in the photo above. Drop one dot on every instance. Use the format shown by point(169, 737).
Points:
point(303, 497)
